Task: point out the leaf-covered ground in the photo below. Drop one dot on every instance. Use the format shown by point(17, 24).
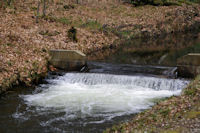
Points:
point(24, 44)
point(177, 114)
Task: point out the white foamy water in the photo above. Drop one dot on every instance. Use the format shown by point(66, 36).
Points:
point(102, 96)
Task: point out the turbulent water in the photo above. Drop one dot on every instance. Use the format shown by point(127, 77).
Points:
point(80, 102)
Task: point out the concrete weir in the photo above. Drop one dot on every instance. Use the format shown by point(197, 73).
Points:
point(189, 65)
point(69, 60)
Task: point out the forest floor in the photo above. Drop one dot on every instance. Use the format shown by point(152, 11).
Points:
point(25, 44)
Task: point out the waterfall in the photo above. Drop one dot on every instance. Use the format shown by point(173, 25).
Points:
point(142, 81)
point(101, 97)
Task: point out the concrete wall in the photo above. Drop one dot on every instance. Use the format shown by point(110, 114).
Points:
point(189, 65)
point(68, 60)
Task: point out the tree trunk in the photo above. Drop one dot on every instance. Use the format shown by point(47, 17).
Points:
point(9, 2)
point(44, 8)
point(38, 10)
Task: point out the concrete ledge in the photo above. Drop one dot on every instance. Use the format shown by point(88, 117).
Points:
point(68, 60)
point(192, 59)
point(188, 71)
point(189, 65)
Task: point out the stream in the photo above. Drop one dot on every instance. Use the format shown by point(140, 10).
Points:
point(113, 90)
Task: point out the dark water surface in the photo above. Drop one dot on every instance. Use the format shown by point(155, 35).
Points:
point(122, 84)
point(156, 51)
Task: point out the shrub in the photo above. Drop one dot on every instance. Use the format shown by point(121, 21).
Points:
point(72, 34)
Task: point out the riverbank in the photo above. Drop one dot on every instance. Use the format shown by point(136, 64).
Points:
point(24, 44)
point(175, 114)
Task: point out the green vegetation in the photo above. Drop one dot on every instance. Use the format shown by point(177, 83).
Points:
point(9, 63)
point(164, 112)
point(125, 34)
point(64, 20)
point(190, 92)
point(92, 25)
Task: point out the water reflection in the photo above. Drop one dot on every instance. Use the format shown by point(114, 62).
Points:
point(154, 51)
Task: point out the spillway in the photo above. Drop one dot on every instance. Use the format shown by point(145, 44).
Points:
point(88, 99)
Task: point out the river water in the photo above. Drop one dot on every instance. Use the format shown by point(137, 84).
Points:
point(113, 91)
